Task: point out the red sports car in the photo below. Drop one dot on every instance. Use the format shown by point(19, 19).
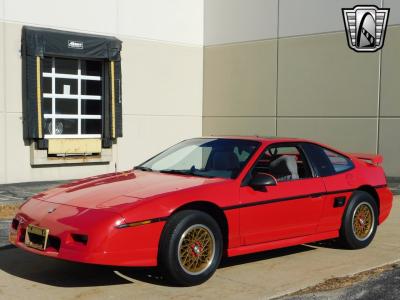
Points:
point(207, 197)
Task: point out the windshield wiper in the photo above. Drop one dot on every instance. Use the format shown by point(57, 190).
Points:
point(184, 172)
point(143, 168)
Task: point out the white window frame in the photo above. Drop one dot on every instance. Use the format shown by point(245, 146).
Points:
point(53, 96)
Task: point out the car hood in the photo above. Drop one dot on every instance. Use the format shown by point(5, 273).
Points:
point(106, 191)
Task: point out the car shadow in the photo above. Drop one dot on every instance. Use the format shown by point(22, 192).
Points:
point(154, 276)
point(55, 272)
point(61, 273)
point(331, 244)
point(254, 257)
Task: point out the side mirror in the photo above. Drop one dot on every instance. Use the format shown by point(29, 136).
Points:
point(261, 180)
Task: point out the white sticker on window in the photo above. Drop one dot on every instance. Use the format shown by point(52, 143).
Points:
point(67, 89)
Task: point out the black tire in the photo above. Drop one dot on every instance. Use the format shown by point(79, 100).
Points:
point(181, 228)
point(349, 235)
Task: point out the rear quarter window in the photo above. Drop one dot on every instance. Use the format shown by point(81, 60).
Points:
point(339, 162)
point(325, 161)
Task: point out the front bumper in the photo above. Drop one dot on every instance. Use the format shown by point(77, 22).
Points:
point(106, 244)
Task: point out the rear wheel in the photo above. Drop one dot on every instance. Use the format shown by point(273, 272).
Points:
point(190, 247)
point(359, 221)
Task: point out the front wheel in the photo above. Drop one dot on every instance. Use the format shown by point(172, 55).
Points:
point(360, 221)
point(190, 247)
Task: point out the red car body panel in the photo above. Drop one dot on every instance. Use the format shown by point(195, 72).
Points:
point(293, 212)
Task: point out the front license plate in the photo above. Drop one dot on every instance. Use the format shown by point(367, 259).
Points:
point(36, 237)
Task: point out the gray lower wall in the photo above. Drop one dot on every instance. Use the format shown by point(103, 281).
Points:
point(307, 86)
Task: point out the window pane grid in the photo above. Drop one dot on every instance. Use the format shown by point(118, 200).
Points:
point(79, 97)
point(56, 127)
point(72, 76)
point(83, 97)
point(80, 117)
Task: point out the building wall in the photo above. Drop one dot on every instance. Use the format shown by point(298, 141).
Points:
point(162, 62)
point(299, 78)
point(193, 67)
point(2, 102)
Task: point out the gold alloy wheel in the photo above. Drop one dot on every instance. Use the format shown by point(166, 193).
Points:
point(196, 249)
point(363, 221)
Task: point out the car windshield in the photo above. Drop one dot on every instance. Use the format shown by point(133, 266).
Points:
point(204, 157)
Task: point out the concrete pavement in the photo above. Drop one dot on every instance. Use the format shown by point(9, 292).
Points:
point(264, 275)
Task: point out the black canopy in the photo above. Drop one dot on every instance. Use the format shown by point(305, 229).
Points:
point(38, 41)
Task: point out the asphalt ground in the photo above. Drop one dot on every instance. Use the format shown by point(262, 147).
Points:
point(385, 285)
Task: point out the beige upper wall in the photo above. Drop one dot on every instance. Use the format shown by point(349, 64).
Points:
point(1, 10)
point(232, 21)
point(162, 79)
point(146, 136)
point(394, 5)
point(262, 126)
point(240, 79)
point(162, 98)
point(302, 17)
point(389, 129)
point(390, 87)
point(2, 148)
point(176, 21)
point(355, 135)
point(197, 22)
point(72, 14)
point(12, 67)
point(389, 146)
point(2, 103)
point(320, 76)
point(229, 21)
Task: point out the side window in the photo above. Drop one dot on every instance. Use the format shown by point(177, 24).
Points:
point(284, 163)
point(326, 161)
point(339, 162)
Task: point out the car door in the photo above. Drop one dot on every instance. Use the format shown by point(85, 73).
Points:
point(291, 208)
point(338, 174)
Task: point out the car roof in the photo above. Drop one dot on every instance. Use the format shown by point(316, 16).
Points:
point(275, 139)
